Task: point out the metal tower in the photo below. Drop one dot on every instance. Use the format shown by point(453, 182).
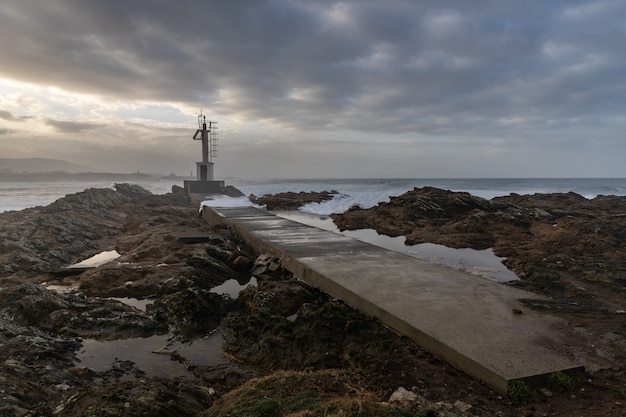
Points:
point(208, 135)
point(204, 183)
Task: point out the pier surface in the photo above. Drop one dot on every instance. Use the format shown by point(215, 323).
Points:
point(471, 322)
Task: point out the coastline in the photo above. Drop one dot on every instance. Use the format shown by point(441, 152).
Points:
point(259, 327)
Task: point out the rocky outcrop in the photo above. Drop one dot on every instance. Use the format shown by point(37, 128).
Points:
point(74, 314)
point(291, 200)
point(546, 239)
point(278, 324)
point(41, 329)
point(563, 246)
point(40, 239)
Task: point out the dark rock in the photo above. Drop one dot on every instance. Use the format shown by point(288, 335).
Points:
point(190, 312)
point(267, 267)
point(231, 191)
point(74, 315)
point(291, 200)
point(138, 398)
point(288, 325)
point(541, 235)
point(48, 238)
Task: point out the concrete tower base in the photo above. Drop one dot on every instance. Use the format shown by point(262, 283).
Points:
point(204, 187)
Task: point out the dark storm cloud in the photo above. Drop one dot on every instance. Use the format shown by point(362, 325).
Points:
point(70, 127)
point(484, 67)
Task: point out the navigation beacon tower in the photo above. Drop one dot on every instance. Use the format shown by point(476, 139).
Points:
point(204, 183)
point(208, 136)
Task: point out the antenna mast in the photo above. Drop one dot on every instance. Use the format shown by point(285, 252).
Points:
point(207, 133)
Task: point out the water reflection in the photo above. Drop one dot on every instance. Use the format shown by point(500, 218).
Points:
point(134, 302)
point(482, 263)
point(97, 260)
point(153, 354)
point(233, 287)
point(62, 288)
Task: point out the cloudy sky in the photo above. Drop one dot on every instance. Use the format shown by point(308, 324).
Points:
point(310, 89)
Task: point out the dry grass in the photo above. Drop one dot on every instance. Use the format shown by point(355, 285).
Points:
point(325, 393)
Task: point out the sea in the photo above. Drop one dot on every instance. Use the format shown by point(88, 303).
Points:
point(368, 192)
point(364, 192)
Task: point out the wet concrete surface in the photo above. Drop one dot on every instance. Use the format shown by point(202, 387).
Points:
point(474, 324)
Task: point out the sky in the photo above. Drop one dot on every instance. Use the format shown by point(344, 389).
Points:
point(318, 89)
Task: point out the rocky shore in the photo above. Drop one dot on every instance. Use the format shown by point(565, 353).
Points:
point(288, 349)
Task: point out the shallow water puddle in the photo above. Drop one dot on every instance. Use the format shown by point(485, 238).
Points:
point(134, 302)
point(97, 260)
point(482, 263)
point(152, 354)
point(61, 288)
point(233, 287)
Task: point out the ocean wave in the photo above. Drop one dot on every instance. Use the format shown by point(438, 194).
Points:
point(226, 201)
point(343, 202)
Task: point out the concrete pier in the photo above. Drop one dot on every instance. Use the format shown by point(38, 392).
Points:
point(468, 321)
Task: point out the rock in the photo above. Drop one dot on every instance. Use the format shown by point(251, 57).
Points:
point(39, 328)
point(546, 392)
point(242, 263)
point(281, 323)
point(543, 236)
point(266, 266)
point(69, 227)
point(291, 200)
point(74, 315)
point(462, 406)
point(403, 397)
point(139, 398)
point(190, 312)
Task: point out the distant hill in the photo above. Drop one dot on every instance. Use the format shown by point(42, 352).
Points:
point(33, 165)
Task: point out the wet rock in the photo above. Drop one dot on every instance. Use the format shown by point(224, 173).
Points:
point(47, 238)
point(242, 263)
point(147, 397)
point(190, 312)
point(265, 263)
point(288, 325)
point(291, 200)
point(280, 324)
point(38, 327)
point(74, 315)
point(32, 363)
point(545, 238)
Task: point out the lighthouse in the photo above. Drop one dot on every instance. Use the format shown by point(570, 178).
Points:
point(205, 183)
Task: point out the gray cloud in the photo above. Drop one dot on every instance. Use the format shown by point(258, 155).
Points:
point(12, 118)
point(70, 127)
point(531, 71)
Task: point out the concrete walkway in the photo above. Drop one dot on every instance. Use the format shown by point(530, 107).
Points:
point(466, 320)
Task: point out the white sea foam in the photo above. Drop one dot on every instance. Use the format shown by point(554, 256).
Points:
point(362, 192)
point(226, 201)
point(339, 204)
point(343, 202)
